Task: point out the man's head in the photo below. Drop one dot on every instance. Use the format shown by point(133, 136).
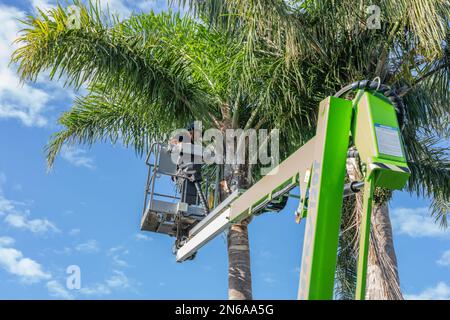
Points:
point(194, 131)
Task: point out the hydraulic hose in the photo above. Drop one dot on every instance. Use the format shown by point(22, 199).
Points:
point(388, 92)
point(202, 197)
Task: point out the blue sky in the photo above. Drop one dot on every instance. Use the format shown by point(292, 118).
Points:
point(86, 212)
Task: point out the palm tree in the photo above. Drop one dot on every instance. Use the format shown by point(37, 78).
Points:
point(145, 77)
point(256, 64)
point(327, 44)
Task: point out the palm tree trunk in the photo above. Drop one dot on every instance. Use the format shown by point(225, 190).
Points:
point(239, 272)
point(383, 282)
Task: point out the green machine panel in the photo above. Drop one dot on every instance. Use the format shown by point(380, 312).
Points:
point(377, 137)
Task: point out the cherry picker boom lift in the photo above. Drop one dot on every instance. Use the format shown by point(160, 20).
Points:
point(318, 168)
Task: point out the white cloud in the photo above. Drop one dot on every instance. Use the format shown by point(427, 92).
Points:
point(265, 254)
point(6, 241)
point(5, 205)
point(42, 4)
point(77, 157)
point(142, 237)
point(116, 282)
point(440, 292)
point(13, 261)
point(90, 246)
point(444, 260)
point(8, 205)
point(28, 270)
point(269, 278)
point(20, 221)
point(74, 232)
point(118, 249)
point(116, 253)
point(416, 222)
point(118, 261)
point(19, 101)
point(116, 7)
point(99, 289)
point(56, 290)
point(155, 5)
point(65, 250)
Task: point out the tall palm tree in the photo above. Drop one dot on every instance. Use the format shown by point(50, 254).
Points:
point(333, 42)
point(258, 63)
point(147, 76)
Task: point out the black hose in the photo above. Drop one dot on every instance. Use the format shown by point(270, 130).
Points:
point(202, 197)
point(352, 188)
point(383, 89)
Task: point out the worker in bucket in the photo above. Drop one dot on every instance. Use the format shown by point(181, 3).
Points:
point(189, 175)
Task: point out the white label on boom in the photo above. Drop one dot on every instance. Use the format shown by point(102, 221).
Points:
point(388, 140)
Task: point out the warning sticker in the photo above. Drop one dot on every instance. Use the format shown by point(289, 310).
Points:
point(388, 140)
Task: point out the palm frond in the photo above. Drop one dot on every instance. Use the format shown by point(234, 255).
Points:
point(101, 52)
point(430, 173)
point(98, 117)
